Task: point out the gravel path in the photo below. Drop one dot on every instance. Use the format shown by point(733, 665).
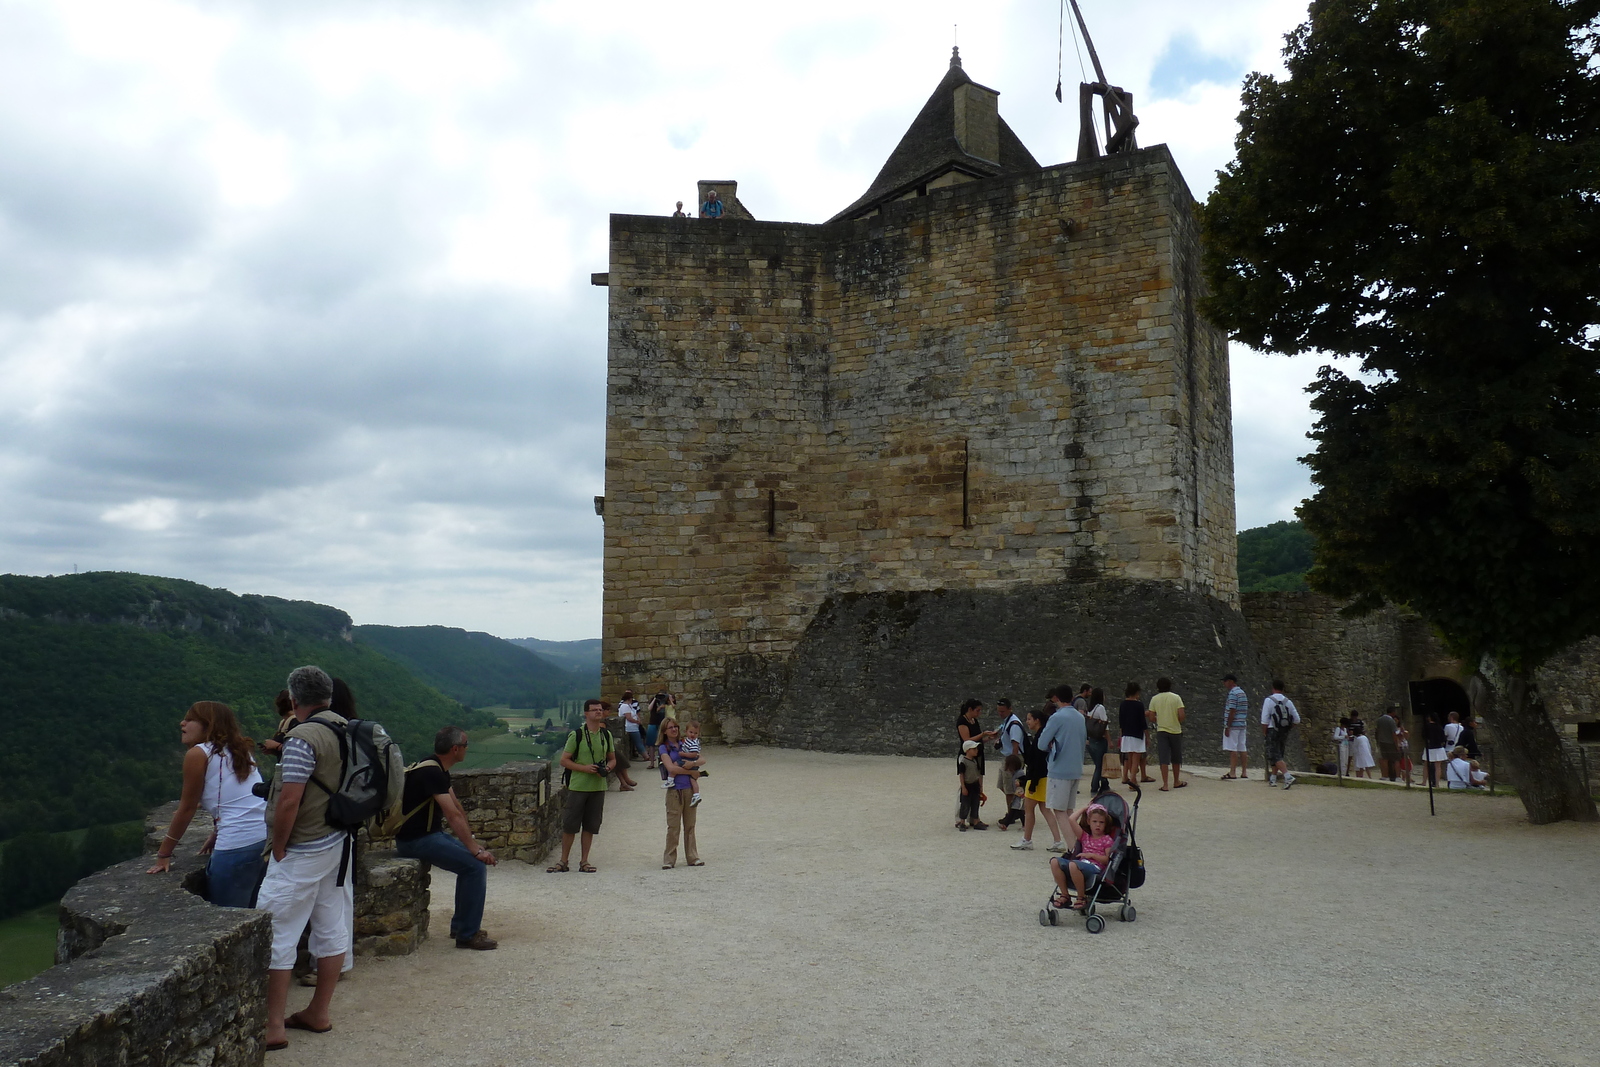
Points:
point(841, 920)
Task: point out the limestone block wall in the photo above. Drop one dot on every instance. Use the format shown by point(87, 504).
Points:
point(1001, 384)
point(391, 904)
point(514, 809)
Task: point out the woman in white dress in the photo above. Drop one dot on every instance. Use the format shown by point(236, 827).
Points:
point(1360, 748)
point(1341, 737)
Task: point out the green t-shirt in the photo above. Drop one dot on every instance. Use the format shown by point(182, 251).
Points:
point(595, 746)
point(1166, 706)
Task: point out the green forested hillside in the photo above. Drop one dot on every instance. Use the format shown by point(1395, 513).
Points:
point(476, 668)
point(1275, 558)
point(97, 669)
point(580, 657)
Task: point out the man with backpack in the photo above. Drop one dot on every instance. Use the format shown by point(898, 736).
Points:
point(429, 804)
point(1278, 717)
point(588, 757)
point(305, 875)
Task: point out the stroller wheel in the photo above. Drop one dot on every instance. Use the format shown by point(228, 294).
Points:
point(1128, 914)
point(1047, 916)
point(1094, 924)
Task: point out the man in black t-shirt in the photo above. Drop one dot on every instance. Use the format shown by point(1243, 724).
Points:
point(430, 803)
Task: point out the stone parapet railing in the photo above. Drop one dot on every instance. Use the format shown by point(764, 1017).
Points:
point(514, 809)
point(146, 972)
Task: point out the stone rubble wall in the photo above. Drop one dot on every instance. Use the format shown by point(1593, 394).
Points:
point(514, 809)
point(1002, 384)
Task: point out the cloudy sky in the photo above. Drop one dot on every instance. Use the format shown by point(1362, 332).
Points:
point(294, 293)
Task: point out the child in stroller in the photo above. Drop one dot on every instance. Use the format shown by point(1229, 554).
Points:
point(1096, 834)
point(1102, 865)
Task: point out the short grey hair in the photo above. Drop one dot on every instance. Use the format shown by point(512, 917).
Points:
point(310, 687)
point(447, 738)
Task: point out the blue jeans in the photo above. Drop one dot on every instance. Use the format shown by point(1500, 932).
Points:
point(472, 877)
point(234, 874)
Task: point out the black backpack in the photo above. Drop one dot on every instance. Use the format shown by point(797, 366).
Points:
point(1282, 721)
point(371, 774)
point(566, 772)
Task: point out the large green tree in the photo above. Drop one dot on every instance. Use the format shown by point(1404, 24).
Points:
point(1422, 192)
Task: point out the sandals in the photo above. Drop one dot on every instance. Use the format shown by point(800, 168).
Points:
point(587, 868)
point(557, 868)
point(1230, 778)
point(1181, 785)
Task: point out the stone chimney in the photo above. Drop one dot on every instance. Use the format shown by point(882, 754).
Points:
point(978, 121)
point(728, 193)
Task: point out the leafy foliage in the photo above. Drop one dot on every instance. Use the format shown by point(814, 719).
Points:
point(1423, 193)
point(37, 868)
point(1275, 558)
point(97, 669)
point(475, 668)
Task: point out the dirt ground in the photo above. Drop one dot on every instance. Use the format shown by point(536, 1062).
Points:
point(840, 920)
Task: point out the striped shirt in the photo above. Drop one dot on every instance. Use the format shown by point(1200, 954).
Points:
point(299, 760)
point(1237, 712)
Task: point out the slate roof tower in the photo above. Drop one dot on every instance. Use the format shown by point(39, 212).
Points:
point(970, 436)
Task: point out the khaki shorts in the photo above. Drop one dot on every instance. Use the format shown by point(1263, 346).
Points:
point(1061, 794)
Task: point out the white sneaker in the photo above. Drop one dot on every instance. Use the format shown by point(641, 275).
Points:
point(1022, 845)
point(1272, 779)
point(666, 783)
point(1288, 780)
point(694, 801)
point(1059, 846)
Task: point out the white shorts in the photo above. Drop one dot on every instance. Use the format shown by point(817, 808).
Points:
point(1234, 740)
point(1061, 793)
point(1437, 755)
point(1132, 744)
point(303, 888)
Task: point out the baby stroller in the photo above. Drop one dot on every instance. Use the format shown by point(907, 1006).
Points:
point(1124, 869)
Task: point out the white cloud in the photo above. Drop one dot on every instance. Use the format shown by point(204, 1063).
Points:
point(293, 295)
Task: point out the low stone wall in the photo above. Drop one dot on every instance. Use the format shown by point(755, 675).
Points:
point(514, 809)
point(391, 905)
point(146, 973)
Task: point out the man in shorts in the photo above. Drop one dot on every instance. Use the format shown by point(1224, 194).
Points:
point(1278, 717)
point(1385, 734)
point(589, 756)
point(1166, 712)
point(303, 883)
point(1235, 721)
point(1063, 737)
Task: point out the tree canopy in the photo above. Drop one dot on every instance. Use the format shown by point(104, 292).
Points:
point(1274, 558)
point(1423, 193)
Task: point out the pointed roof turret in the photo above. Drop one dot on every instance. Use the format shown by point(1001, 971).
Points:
point(957, 136)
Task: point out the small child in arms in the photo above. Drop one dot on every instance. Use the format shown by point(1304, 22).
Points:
point(1096, 832)
point(692, 760)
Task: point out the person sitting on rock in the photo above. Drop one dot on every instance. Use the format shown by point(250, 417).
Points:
point(429, 803)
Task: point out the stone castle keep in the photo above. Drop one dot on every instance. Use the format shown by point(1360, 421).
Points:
point(970, 433)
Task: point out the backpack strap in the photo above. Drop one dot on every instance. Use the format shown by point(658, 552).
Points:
point(405, 817)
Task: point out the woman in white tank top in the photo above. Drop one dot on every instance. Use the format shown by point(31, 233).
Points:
point(212, 780)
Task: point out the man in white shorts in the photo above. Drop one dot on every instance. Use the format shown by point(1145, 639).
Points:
point(302, 880)
point(1235, 721)
point(1063, 737)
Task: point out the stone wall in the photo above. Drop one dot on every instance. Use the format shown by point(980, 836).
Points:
point(1001, 384)
point(147, 973)
point(887, 672)
point(514, 809)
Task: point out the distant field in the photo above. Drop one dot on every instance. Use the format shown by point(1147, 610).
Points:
point(502, 748)
point(27, 944)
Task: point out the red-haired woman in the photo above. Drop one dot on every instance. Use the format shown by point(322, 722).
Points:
point(220, 775)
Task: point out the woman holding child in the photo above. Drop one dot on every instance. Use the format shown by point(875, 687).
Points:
point(680, 794)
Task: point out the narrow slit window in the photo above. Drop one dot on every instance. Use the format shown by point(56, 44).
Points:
point(772, 513)
point(966, 484)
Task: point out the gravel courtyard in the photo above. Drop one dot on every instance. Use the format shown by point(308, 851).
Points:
point(840, 920)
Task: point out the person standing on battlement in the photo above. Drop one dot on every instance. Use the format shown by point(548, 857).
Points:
point(680, 213)
point(1166, 714)
point(712, 208)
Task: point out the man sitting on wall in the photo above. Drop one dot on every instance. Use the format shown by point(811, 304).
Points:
point(429, 803)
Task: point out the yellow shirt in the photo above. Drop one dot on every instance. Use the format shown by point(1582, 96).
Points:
point(1166, 706)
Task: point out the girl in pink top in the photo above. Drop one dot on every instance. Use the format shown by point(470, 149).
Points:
point(1096, 832)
